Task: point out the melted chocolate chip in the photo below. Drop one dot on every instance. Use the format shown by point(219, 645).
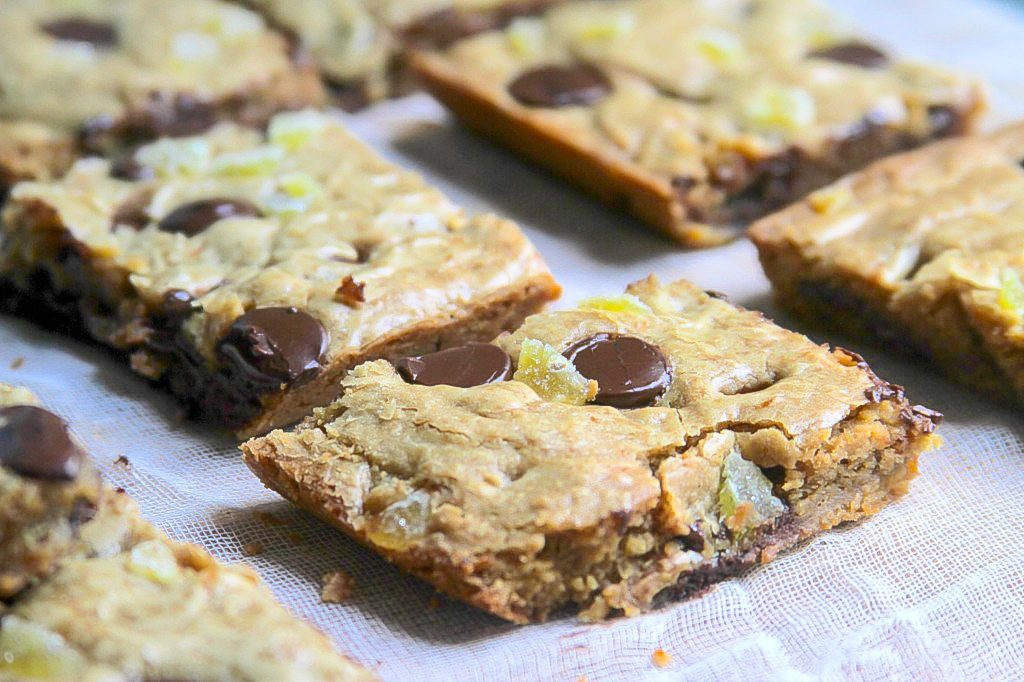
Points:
point(177, 305)
point(128, 168)
point(81, 30)
point(266, 347)
point(629, 371)
point(473, 364)
point(36, 444)
point(134, 212)
point(855, 54)
point(192, 218)
point(82, 511)
point(945, 121)
point(561, 86)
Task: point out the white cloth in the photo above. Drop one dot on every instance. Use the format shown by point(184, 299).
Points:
point(931, 587)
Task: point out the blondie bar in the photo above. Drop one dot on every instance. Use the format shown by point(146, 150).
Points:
point(696, 116)
point(90, 591)
point(923, 251)
point(247, 271)
point(637, 448)
point(97, 75)
point(359, 45)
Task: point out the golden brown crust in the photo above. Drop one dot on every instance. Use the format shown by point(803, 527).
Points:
point(919, 250)
point(90, 590)
point(521, 504)
point(695, 160)
point(90, 248)
point(611, 180)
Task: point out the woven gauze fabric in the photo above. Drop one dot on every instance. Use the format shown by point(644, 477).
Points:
point(932, 586)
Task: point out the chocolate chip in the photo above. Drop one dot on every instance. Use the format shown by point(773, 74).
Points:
point(81, 30)
point(192, 218)
point(629, 371)
point(945, 121)
point(82, 511)
point(855, 54)
point(177, 304)
point(694, 541)
point(561, 86)
point(266, 347)
point(473, 364)
point(36, 444)
point(447, 26)
point(173, 116)
point(134, 212)
point(128, 168)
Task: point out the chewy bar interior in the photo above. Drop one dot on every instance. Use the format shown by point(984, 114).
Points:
point(359, 45)
point(923, 251)
point(637, 448)
point(90, 591)
point(96, 75)
point(697, 116)
point(247, 271)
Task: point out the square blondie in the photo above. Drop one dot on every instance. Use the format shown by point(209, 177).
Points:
point(923, 252)
point(95, 76)
point(247, 271)
point(90, 591)
point(607, 458)
point(695, 116)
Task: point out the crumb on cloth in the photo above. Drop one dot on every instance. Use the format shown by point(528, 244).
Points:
point(338, 586)
point(252, 548)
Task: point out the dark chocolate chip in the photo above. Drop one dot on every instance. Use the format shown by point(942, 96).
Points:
point(855, 54)
point(82, 511)
point(629, 371)
point(266, 347)
point(134, 212)
point(177, 304)
point(447, 26)
point(179, 116)
point(81, 30)
point(128, 168)
point(473, 364)
point(561, 86)
point(192, 218)
point(945, 121)
point(694, 541)
point(36, 444)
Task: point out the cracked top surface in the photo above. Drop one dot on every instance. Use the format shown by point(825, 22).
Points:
point(128, 50)
point(112, 598)
point(316, 221)
point(492, 468)
point(691, 82)
point(946, 218)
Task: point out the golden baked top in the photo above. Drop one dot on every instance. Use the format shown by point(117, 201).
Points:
point(946, 218)
point(72, 62)
point(305, 216)
point(93, 592)
point(680, 86)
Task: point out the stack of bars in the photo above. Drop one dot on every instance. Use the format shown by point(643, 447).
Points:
point(239, 248)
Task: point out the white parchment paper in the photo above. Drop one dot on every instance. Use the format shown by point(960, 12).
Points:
point(931, 587)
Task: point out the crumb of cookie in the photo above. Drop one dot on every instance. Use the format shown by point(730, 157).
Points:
point(252, 548)
point(337, 587)
point(350, 292)
point(661, 658)
point(123, 461)
point(296, 538)
point(435, 602)
point(17, 362)
point(268, 519)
